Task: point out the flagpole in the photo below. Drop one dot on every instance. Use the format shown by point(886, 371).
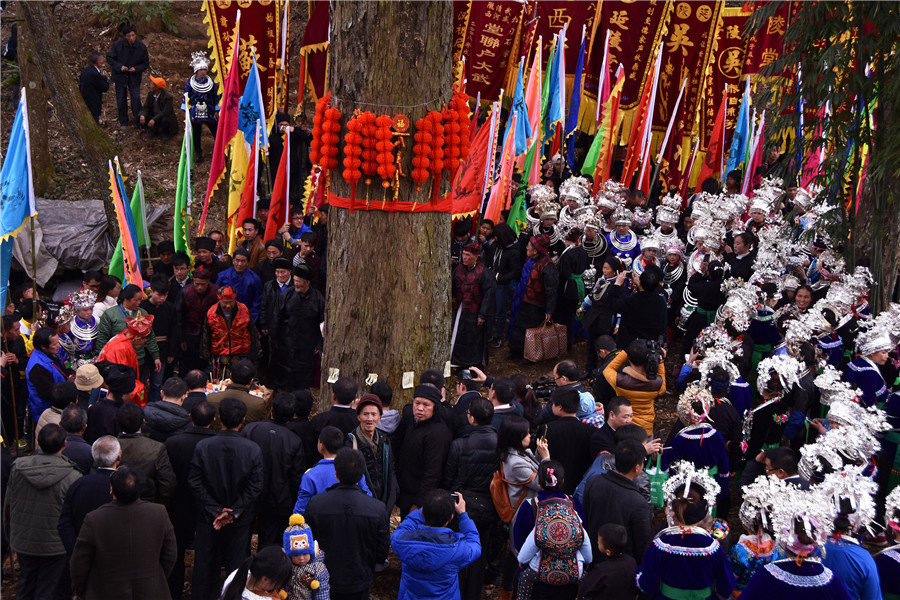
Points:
point(146, 231)
point(722, 154)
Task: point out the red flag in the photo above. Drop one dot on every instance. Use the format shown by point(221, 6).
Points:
point(228, 121)
point(713, 160)
point(468, 183)
point(279, 203)
point(639, 128)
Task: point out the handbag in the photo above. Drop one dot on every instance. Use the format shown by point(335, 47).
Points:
point(657, 478)
point(545, 342)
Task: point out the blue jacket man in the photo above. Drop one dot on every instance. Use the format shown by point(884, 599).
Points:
point(245, 282)
point(322, 476)
point(431, 553)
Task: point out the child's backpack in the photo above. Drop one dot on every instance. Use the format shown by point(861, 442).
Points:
point(559, 534)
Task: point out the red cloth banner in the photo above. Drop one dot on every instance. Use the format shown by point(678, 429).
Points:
point(491, 40)
point(686, 48)
point(442, 204)
point(260, 29)
point(314, 48)
point(724, 68)
point(635, 28)
point(548, 18)
point(767, 46)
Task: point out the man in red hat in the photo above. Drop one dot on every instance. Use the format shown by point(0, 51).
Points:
point(473, 309)
point(228, 333)
point(122, 349)
point(535, 297)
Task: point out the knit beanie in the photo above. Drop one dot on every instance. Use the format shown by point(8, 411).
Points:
point(298, 537)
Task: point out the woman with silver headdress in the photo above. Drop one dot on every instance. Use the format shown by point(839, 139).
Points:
point(801, 524)
point(623, 242)
point(756, 547)
point(595, 246)
point(674, 283)
point(852, 509)
point(699, 442)
point(650, 247)
point(203, 101)
point(685, 560)
point(874, 344)
point(78, 343)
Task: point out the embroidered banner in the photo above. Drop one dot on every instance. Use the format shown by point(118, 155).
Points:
point(724, 68)
point(260, 29)
point(492, 37)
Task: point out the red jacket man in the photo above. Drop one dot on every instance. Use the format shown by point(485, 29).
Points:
point(228, 332)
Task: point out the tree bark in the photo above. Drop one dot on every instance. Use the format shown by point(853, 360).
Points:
point(42, 168)
point(388, 304)
point(91, 142)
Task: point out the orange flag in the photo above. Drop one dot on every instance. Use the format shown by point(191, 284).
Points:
point(248, 194)
point(469, 181)
point(639, 127)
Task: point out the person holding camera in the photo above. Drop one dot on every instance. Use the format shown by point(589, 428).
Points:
point(643, 314)
point(639, 375)
point(431, 553)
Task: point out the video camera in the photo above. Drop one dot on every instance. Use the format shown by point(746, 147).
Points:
point(654, 355)
point(543, 387)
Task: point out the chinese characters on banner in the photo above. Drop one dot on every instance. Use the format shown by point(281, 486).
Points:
point(490, 43)
point(260, 29)
point(634, 30)
point(725, 69)
point(686, 49)
point(768, 45)
point(548, 19)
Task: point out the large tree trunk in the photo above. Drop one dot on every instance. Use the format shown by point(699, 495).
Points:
point(388, 305)
point(32, 80)
point(93, 145)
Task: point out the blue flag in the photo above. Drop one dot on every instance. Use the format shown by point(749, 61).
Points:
point(574, 106)
point(523, 127)
point(16, 191)
point(252, 109)
point(129, 216)
point(557, 87)
point(740, 139)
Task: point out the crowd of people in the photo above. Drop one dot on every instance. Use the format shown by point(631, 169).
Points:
point(176, 421)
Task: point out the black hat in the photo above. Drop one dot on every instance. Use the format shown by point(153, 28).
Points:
point(242, 252)
point(303, 272)
point(281, 263)
point(275, 244)
point(202, 273)
point(206, 243)
point(120, 380)
point(166, 246)
point(427, 391)
point(263, 202)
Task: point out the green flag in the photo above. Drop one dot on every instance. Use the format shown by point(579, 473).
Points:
point(593, 155)
point(138, 213)
point(517, 217)
point(183, 194)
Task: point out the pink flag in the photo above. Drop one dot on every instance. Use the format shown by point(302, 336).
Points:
point(500, 193)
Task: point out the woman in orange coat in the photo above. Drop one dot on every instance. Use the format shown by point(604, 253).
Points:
point(632, 381)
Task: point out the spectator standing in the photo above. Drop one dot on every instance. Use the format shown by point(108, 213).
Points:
point(226, 478)
point(568, 437)
point(74, 423)
point(432, 554)
point(282, 454)
point(471, 464)
point(93, 83)
point(632, 381)
point(64, 394)
point(643, 314)
point(145, 455)
point(613, 577)
point(109, 563)
point(341, 414)
point(167, 417)
point(165, 330)
point(243, 280)
point(422, 452)
point(183, 509)
point(44, 370)
point(35, 493)
point(613, 497)
point(120, 384)
point(128, 58)
point(298, 338)
point(375, 446)
point(193, 303)
point(351, 528)
point(89, 492)
point(321, 476)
